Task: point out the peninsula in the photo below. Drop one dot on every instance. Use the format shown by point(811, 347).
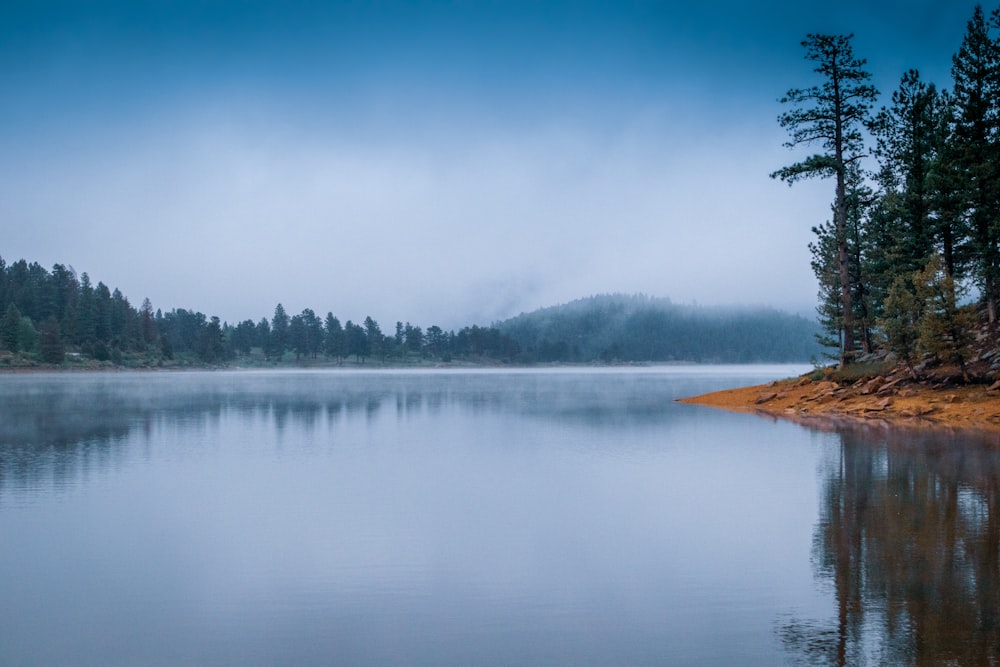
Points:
point(935, 400)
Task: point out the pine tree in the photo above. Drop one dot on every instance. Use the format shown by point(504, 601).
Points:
point(297, 336)
point(10, 328)
point(66, 289)
point(147, 322)
point(830, 308)
point(860, 264)
point(242, 338)
point(375, 337)
point(50, 344)
point(907, 148)
point(102, 313)
point(27, 337)
point(414, 338)
point(975, 149)
point(211, 344)
point(3, 285)
point(86, 323)
point(357, 341)
point(334, 344)
point(832, 114)
point(279, 332)
point(945, 329)
point(900, 323)
point(313, 332)
point(947, 186)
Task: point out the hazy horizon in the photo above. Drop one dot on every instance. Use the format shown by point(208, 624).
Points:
point(432, 162)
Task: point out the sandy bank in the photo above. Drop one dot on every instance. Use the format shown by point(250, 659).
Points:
point(895, 401)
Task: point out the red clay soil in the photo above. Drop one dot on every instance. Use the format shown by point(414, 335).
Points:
point(894, 401)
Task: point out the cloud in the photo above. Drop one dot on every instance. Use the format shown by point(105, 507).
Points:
point(426, 162)
point(232, 216)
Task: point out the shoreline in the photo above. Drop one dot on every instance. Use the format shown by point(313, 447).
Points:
point(891, 402)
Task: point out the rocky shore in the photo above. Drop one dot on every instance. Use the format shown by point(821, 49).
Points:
point(893, 398)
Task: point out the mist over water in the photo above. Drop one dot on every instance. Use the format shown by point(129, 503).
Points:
point(463, 517)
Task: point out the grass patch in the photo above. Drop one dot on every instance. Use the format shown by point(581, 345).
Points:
point(864, 371)
point(818, 375)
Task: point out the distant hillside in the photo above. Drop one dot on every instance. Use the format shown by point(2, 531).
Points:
point(56, 318)
point(641, 328)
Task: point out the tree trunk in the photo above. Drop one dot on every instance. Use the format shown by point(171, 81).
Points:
point(989, 282)
point(847, 303)
point(840, 223)
point(949, 251)
point(846, 299)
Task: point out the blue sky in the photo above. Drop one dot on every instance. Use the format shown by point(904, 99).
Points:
point(437, 162)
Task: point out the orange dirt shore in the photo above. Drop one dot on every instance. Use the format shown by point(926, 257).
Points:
point(911, 404)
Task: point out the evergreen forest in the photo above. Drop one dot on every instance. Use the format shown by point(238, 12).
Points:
point(608, 328)
point(909, 261)
point(59, 318)
point(49, 315)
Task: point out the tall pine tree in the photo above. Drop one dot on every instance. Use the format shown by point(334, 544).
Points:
point(975, 151)
point(907, 149)
point(832, 114)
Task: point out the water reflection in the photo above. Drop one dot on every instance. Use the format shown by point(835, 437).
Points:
point(58, 426)
point(908, 539)
point(396, 518)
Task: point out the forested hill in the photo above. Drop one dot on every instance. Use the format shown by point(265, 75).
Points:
point(641, 328)
point(56, 318)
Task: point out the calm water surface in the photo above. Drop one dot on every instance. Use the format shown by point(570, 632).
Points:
point(480, 517)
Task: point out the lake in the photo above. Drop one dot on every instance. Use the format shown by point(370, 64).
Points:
point(481, 517)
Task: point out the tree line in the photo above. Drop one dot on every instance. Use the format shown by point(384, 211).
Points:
point(46, 313)
point(914, 233)
point(49, 314)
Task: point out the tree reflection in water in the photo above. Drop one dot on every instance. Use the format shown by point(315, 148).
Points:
point(908, 537)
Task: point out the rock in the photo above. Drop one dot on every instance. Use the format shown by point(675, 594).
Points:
point(871, 386)
point(824, 391)
point(765, 397)
point(895, 380)
point(918, 411)
point(890, 387)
